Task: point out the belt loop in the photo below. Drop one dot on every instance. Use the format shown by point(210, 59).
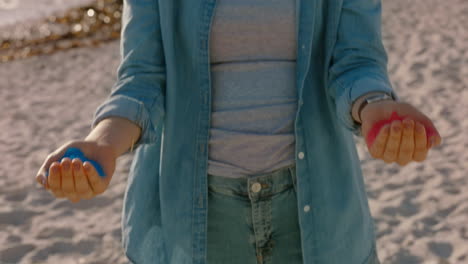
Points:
point(252, 195)
point(292, 172)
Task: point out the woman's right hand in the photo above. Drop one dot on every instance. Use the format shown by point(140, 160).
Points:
point(74, 179)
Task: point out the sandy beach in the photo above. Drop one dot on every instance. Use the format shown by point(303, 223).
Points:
point(420, 210)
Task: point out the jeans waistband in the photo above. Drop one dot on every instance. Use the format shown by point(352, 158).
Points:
point(255, 186)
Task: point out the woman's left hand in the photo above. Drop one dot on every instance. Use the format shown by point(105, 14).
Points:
point(400, 141)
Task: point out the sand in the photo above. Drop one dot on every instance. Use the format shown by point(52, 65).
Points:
point(420, 210)
point(51, 100)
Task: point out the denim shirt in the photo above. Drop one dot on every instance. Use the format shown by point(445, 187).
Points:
point(163, 85)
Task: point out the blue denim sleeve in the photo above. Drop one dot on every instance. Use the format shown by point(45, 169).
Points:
point(138, 94)
point(359, 59)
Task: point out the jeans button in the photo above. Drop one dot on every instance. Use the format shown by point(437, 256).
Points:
point(256, 187)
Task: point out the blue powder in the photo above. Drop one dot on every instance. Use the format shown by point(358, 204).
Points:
point(72, 153)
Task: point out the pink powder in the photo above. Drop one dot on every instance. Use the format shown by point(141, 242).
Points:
point(374, 131)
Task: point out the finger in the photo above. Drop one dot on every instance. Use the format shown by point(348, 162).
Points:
point(68, 182)
point(420, 142)
point(41, 179)
point(96, 182)
point(393, 142)
point(82, 187)
point(44, 172)
point(405, 154)
point(434, 141)
point(54, 181)
point(378, 147)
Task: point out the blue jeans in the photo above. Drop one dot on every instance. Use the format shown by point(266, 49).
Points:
point(254, 220)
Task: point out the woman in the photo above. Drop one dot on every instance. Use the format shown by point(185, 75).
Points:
point(242, 115)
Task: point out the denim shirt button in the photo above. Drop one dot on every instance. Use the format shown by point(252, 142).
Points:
point(306, 208)
point(301, 155)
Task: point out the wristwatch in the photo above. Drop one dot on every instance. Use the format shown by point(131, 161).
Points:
point(372, 99)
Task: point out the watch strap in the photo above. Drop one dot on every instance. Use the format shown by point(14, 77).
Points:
point(373, 98)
